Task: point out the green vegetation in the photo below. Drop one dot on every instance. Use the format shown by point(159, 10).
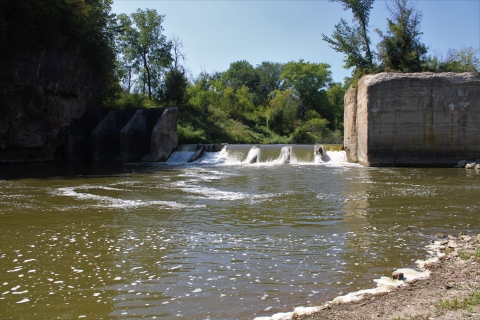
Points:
point(400, 48)
point(467, 304)
point(86, 27)
point(272, 102)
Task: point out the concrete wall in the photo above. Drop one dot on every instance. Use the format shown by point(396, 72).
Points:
point(135, 135)
point(423, 119)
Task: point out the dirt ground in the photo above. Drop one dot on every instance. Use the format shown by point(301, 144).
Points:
point(451, 292)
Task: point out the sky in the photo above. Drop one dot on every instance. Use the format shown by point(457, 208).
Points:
point(216, 33)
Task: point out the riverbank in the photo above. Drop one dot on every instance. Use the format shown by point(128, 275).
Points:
point(451, 291)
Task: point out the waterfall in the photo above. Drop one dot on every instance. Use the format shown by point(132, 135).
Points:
point(285, 154)
point(265, 154)
point(179, 157)
point(252, 156)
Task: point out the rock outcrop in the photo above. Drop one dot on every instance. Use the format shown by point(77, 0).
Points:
point(44, 98)
point(421, 119)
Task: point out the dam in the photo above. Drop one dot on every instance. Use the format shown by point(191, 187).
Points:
point(413, 119)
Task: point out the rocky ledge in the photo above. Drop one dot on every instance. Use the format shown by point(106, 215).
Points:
point(45, 97)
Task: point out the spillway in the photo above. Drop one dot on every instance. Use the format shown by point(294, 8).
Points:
point(265, 154)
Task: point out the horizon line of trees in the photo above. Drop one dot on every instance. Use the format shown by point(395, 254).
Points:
point(271, 102)
point(400, 48)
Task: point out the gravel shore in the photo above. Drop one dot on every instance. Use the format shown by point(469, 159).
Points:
point(451, 291)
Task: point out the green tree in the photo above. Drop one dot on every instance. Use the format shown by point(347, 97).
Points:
point(241, 73)
point(464, 59)
point(282, 111)
point(400, 48)
point(335, 95)
point(176, 82)
point(310, 81)
point(144, 50)
point(270, 80)
point(354, 41)
point(84, 27)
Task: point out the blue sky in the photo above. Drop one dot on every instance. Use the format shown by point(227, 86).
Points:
point(217, 33)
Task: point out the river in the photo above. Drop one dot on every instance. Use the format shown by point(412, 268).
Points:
point(216, 239)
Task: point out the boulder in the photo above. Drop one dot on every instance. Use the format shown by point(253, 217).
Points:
point(164, 137)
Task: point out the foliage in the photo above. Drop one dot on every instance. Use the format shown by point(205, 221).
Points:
point(222, 108)
point(335, 94)
point(85, 27)
point(241, 73)
point(175, 87)
point(270, 81)
point(281, 114)
point(309, 80)
point(353, 40)
point(463, 60)
point(400, 48)
point(144, 51)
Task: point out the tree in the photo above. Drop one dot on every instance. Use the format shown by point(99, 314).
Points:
point(241, 73)
point(176, 82)
point(309, 81)
point(84, 27)
point(400, 48)
point(269, 73)
point(335, 95)
point(281, 114)
point(354, 41)
point(463, 60)
point(144, 50)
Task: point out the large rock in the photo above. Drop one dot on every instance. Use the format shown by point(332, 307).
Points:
point(421, 119)
point(164, 138)
point(41, 96)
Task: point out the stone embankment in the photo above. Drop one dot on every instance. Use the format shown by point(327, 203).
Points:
point(448, 288)
point(413, 119)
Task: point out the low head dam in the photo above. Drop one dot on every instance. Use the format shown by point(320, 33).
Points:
point(413, 119)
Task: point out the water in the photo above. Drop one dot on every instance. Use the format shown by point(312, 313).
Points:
point(217, 239)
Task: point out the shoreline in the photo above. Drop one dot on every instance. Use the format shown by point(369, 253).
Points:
point(447, 287)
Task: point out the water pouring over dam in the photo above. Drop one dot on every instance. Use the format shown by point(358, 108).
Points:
point(263, 154)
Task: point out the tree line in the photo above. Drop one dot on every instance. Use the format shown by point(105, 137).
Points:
point(272, 102)
point(400, 48)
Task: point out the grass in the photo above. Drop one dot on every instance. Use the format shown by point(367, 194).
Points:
point(468, 303)
point(463, 255)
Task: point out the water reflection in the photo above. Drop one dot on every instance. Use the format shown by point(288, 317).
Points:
point(217, 241)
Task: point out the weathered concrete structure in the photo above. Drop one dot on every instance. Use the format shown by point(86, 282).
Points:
point(135, 135)
point(421, 119)
point(105, 138)
point(164, 137)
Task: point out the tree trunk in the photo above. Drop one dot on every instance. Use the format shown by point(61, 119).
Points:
point(145, 64)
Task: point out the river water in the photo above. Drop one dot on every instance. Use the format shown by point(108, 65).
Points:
point(215, 239)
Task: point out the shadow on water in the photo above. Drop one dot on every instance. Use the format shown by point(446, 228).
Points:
point(78, 170)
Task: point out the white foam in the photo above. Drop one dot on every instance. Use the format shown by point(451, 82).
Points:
point(180, 157)
point(384, 284)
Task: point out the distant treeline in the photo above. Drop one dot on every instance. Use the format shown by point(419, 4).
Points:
point(272, 102)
